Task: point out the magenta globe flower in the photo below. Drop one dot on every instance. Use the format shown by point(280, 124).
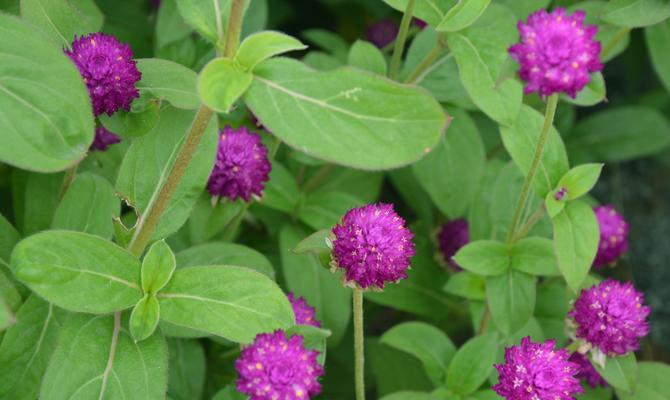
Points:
point(276, 368)
point(109, 71)
point(103, 139)
point(613, 236)
point(382, 33)
point(587, 372)
point(372, 245)
point(304, 313)
point(557, 52)
point(535, 371)
point(242, 166)
point(452, 236)
point(611, 317)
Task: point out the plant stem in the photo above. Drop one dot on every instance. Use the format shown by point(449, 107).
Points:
point(552, 102)
point(400, 39)
point(234, 224)
point(484, 322)
point(358, 344)
point(234, 28)
point(219, 26)
point(534, 219)
point(427, 61)
point(612, 43)
point(148, 222)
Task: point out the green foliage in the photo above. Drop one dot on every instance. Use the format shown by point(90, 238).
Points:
point(621, 372)
point(366, 56)
point(472, 364)
point(511, 299)
point(62, 20)
point(158, 266)
point(264, 45)
point(221, 83)
point(462, 15)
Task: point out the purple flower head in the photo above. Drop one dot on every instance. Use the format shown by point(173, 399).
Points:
point(304, 313)
point(557, 52)
point(535, 371)
point(452, 236)
point(108, 69)
point(561, 194)
point(421, 24)
point(613, 236)
point(241, 168)
point(382, 33)
point(372, 245)
point(103, 139)
point(276, 368)
point(586, 371)
point(611, 316)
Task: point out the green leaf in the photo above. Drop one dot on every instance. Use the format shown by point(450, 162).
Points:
point(467, 285)
point(313, 338)
point(520, 141)
point(229, 393)
point(636, 13)
point(103, 205)
point(576, 237)
point(614, 135)
point(220, 253)
point(62, 20)
point(263, 45)
point(451, 173)
point(367, 56)
point(96, 358)
point(35, 198)
point(484, 257)
point(593, 9)
point(534, 256)
point(431, 11)
point(168, 81)
point(425, 342)
point(657, 37)
point(7, 318)
point(281, 191)
point(306, 277)
point(511, 299)
point(158, 266)
point(144, 318)
point(318, 242)
point(472, 364)
point(242, 304)
point(331, 42)
point(523, 8)
point(9, 294)
point(221, 83)
point(580, 180)
point(410, 396)
point(47, 121)
point(345, 116)
point(186, 372)
point(201, 16)
point(462, 15)
point(593, 93)
point(133, 124)
point(208, 219)
point(481, 52)
point(77, 271)
point(394, 370)
point(325, 209)
point(27, 348)
point(9, 236)
point(620, 372)
point(170, 26)
point(651, 383)
point(149, 160)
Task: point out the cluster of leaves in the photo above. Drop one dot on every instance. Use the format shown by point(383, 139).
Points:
point(83, 317)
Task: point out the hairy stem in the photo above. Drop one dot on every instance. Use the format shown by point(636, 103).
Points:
point(534, 219)
point(234, 28)
point(359, 354)
point(400, 40)
point(552, 102)
point(427, 61)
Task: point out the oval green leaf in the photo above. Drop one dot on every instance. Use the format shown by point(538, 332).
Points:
point(462, 15)
point(221, 83)
point(511, 299)
point(157, 267)
point(260, 46)
point(472, 364)
point(484, 257)
point(144, 318)
point(169, 81)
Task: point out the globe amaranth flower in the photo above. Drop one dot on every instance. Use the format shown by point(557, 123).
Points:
point(372, 245)
point(587, 372)
point(557, 52)
point(382, 33)
point(611, 317)
point(613, 236)
point(242, 166)
point(419, 23)
point(452, 236)
point(276, 368)
point(304, 313)
point(103, 139)
point(108, 69)
point(536, 371)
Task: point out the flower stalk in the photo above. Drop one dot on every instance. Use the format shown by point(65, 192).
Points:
point(400, 40)
point(359, 338)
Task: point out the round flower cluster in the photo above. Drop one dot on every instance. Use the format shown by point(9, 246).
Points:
point(611, 317)
point(452, 236)
point(535, 371)
point(109, 71)
point(557, 52)
point(372, 245)
point(382, 33)
point(276, 368)
point(587, 372)
point(613, 236)
point(304, 313)
point(242, 166)
point(103, 139)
